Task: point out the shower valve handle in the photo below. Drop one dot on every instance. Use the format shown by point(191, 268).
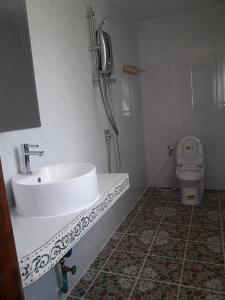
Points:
point(72, 269)
point(170, 148)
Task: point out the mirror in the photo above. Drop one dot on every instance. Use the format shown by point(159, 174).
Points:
point(18, 98)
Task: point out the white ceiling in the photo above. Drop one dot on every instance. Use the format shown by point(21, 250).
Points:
point(140, 10)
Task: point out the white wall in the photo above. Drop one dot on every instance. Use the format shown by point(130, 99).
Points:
point(184, 89)
point(72, 116)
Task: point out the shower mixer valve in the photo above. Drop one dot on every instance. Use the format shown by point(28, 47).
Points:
point(170, 148)
point(108, 135)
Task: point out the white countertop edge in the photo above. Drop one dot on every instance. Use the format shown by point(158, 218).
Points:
point(38, 262)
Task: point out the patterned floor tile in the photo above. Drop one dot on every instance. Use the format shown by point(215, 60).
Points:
point(176, 218)
point(110, 287)
point(162, 269)
point(155, 197)
point(176, 195)
point(176, 199)
point(163, 192)
point(194, 294)
point(211, 204)
point(148, 216)
point(204, 275)
point(139, 204)
point(100, 259)
point(149, 290)
point(135, 243)
point(129, 218)
point(222, 195)
point(211, 195)
point(159, 193)
point(212, 253)
point(173, 231)
point(175, 208)
point(210, 220)
point(80, 289)
point(147, 192)
point(131, 215)
point(206, 234)
point(169, 248)
point(112, 243)
point(210, 200)
point(124, 263)
point(124, 226)
point(213, 215)
point(157, 211)
point(223, 217)
point(142, 228)
point(205, 210)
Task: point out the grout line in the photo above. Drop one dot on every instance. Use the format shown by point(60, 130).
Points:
point(208, 226)
point(182, 270)
point(165, 282)
point(119, 274)
point(138, 199)
point(154, 237)
point(203, 242)
point(122, 236)
point(138, 208)
point(216, 292)
point(202, 289)
point(221, 223)
point(185, 259)
point(159, 237)
point(203, 262)
point(163, 256)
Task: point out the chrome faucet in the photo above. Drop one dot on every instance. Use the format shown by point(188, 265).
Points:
point(25, 150)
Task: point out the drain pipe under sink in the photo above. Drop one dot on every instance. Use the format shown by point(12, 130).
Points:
point(65, 269)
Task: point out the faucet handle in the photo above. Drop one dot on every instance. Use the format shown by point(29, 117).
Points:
point(32, 145)
point(25, 147)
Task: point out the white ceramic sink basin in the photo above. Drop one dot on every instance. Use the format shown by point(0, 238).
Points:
point(56, 190)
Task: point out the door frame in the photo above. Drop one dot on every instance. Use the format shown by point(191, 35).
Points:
point(10, 279)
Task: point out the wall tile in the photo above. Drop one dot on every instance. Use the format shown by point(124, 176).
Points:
point(183, 91)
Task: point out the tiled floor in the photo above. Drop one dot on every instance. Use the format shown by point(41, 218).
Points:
point(162, 250)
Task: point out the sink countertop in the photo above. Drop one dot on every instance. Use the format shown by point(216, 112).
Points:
point(48, 229)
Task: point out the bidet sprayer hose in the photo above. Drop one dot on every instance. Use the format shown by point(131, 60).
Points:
point(170, 147)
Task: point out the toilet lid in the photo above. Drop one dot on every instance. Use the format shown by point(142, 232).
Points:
point(189, 150)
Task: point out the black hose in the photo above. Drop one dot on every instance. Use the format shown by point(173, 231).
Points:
point(107, 109)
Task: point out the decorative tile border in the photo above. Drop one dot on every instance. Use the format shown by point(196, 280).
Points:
point(36, 264)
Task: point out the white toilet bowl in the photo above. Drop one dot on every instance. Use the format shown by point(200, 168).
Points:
point(190, 169)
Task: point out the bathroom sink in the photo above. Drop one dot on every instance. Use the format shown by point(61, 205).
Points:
point(56, 190)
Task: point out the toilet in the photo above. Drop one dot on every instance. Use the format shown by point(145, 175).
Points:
point(190, 169)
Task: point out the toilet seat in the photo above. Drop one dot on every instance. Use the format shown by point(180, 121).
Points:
point(190, 175)
point(190, 153)
point(190, 169)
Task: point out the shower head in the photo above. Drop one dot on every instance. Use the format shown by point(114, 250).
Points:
point(102, 23)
